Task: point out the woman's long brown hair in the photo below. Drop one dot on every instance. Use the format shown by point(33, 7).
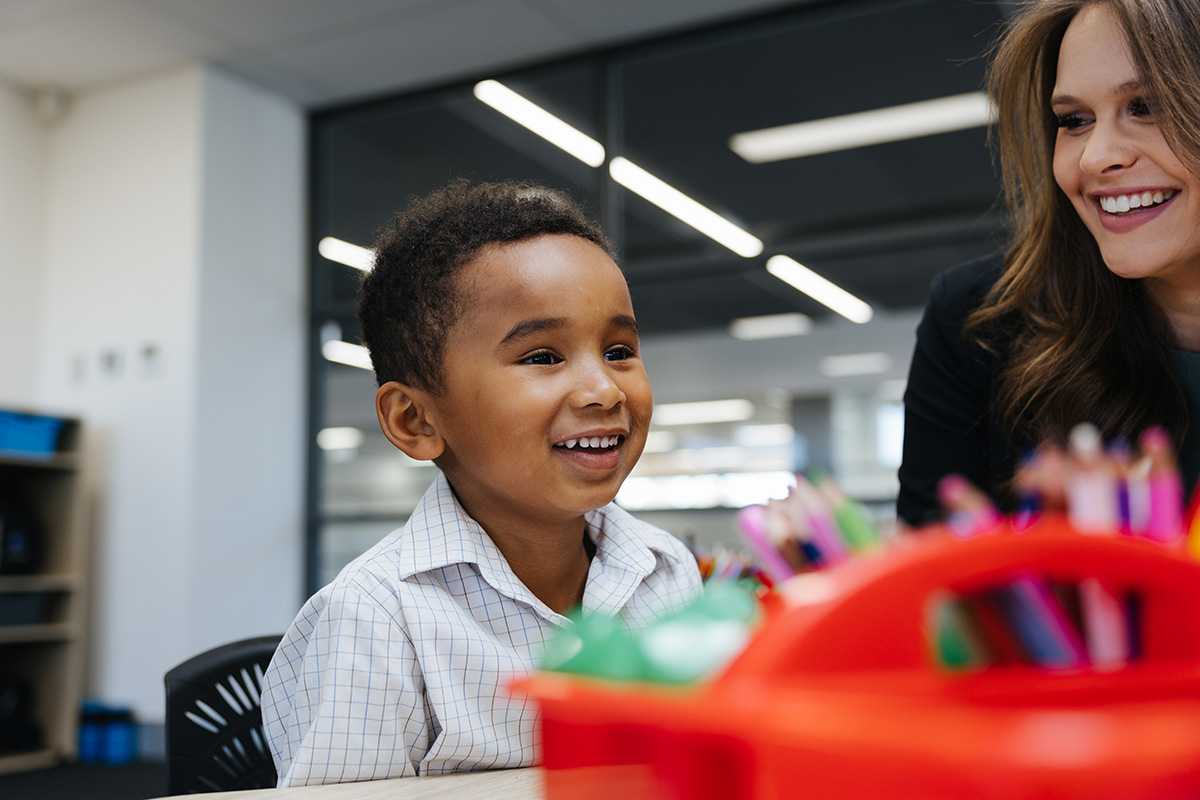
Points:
point(1079, 343)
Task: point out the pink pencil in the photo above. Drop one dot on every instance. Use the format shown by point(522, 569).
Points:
point(820, 521)
point(1165, 521)
point(752, 521)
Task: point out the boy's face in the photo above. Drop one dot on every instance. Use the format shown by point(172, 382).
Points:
point(546, 353)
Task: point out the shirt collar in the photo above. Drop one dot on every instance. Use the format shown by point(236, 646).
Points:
point(441, 533)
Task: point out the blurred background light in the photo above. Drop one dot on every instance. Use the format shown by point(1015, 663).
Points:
point(351, 355)
point(824, 291)
point(770, 326)
point(339, 438)
point(852, 364)
point(537, 119)
point(908, 121)
point(351, 255)
point(703, 412)
point(684, 208)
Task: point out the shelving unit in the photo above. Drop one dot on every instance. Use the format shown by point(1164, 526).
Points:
point(50, 654)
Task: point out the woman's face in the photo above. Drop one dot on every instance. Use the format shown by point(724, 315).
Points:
point(1139, 201)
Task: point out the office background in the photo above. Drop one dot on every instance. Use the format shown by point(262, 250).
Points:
point(169, 168)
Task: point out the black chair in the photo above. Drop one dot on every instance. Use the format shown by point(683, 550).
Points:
point(215, 740)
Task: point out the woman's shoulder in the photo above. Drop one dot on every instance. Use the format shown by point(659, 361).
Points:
point(953, 296)
point(958, 291)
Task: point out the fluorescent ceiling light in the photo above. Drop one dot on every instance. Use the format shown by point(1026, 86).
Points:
point(537, 119)
point(770, 326)
point(909, 121)
point(855, 364)
point(764, 435)
point(345, 253)
point(684, 208)
point(703, 412)
point(712, 490)
point(659, 442)
point(339, 438)
point(352, 355)
point(829, 294)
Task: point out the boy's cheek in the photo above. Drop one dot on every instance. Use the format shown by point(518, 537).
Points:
point(640, 398)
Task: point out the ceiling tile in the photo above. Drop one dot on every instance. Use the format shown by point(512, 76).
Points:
point(435, 45)
point(19, 13)
point(254, 23)
point(622, 19)
point(98, 43)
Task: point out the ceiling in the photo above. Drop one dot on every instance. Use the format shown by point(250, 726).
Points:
point(880, 221)
point(320, 51)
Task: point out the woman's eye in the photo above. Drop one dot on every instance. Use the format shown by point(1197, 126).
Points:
point(619, 353)
point(1070, 121)
point(543, 358)
point(1141, 107)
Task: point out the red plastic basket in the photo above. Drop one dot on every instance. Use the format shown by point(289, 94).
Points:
point(837, 696)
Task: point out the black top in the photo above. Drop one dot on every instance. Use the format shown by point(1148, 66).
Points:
point(1187, 371)
point(950, 421)
point(949, 424)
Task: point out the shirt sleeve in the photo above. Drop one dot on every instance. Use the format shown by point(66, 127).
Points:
point(945, 406)
point(343, 698)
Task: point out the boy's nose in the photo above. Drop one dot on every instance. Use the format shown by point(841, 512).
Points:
point(596, 387)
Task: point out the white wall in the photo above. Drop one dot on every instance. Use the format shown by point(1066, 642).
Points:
point(173, 227)
point(120, 272)
point(249, 434)
point(22, 160)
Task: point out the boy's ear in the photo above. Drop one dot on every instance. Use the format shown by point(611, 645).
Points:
point(404, 416)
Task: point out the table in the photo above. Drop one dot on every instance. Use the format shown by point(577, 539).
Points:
point(508, 784)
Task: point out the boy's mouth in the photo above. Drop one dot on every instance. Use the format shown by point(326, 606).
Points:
point(592, 453)
point(592, 443)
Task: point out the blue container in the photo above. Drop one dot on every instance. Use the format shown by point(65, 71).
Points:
point(91, 732)
point(29, 434)
point(107, 734)
point(120, 739)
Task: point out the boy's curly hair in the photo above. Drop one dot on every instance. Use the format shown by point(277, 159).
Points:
point(409, 301)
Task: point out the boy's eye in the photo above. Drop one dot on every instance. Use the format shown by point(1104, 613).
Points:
point(542, 358)
point(619, 353)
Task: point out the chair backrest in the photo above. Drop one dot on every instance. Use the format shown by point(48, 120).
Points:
point(214, 729)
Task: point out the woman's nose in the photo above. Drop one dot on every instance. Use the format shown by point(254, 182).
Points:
point(1107, 149)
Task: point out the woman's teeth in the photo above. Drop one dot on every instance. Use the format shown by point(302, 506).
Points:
point(593, 441)
point(1121, 203)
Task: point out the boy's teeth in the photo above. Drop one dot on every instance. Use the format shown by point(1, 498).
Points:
point(590, 442)
point(1119, 204)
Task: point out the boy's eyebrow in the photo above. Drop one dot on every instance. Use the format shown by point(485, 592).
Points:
point(531, 326)
point(625, 321)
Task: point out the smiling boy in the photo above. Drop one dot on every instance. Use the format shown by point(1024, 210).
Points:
point(506, 350)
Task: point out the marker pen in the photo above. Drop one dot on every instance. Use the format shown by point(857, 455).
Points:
point(823, 532)
point(1165, 523)
point(752, 524)
point(1092, 507)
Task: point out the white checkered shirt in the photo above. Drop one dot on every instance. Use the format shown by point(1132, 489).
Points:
point(398, 666)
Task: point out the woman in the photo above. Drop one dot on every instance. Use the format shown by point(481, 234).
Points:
point(1094, 312)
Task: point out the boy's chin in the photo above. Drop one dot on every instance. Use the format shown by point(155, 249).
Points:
point(581, 502)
